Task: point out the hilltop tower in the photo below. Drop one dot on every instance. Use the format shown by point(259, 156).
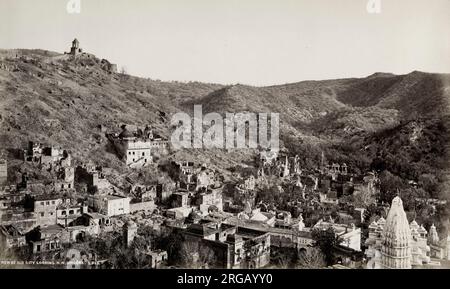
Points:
point(75, 49)
point(396, 246)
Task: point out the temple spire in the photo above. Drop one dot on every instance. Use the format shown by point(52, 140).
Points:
point(396, 247)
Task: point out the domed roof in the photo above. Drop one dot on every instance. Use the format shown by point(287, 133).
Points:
point(212, 208)
point(194, 215)
point(414, 225)
point(373, 225)
point(258, 216)
point(126, 134)
point(243, 216)
point(130, 224)
point(422, 230)
point(397, 232)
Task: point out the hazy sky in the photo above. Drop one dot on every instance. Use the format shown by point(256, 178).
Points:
point(258, 42)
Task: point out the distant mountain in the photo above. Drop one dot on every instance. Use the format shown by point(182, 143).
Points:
point(52, 98)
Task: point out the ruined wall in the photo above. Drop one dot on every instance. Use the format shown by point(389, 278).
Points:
point(143, 206)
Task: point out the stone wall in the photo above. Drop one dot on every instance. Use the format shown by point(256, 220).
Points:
point(144, 206)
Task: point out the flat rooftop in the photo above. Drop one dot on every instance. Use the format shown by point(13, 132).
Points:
point(114, 197)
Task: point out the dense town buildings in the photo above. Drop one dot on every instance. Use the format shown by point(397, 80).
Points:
point(239, 225)
point(234, 247)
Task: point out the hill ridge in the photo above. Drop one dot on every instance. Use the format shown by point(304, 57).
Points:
point(52, 98)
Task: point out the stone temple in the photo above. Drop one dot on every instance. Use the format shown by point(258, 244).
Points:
point(395, 244)
point(396, 247)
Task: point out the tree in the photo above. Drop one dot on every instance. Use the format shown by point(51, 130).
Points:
point(371, 214)
point(429, 183)
point(195, 255)
point(363, 198)
point(284, 258)
point(312, 258)
point(410, 196)
point(390, 185)
point(266, 195)
point(284, 262)
point(326, 240)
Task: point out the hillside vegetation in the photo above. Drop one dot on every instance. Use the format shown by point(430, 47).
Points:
point(402, 119)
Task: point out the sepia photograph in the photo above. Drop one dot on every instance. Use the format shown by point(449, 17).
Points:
point(257, 135)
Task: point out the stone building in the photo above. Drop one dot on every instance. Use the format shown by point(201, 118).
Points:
point(96, 222)
point(47, 157)
point(295, 236)
point(143, 198)
point(11, 237)
point(157, 258)
point(135, 149)
point(181, 199)
point(394, 243)
point(108, 66)
point(110, 205)
point(267, 158)
point(17, 216)
point(67, 212)
point(440, 249)
point(249, 183)
point(94, 178)
point(205, 178)
point(65, 179)
point(48, 238)
point(159, 144)
point(164, 192)
point(186, 174)
point(143, 193)
point(234, 247)
point(45, 208)
point(209, 200)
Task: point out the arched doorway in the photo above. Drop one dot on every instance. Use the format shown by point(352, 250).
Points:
point(80, 237)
